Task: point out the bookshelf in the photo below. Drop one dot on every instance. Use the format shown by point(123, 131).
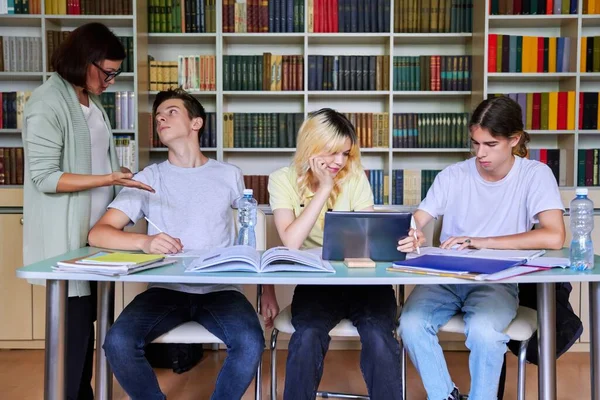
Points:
point(574, 26)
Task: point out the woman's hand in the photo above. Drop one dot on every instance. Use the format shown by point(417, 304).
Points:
point(162, 244)
point(321, 173)
point(125, 178)
point(268, 305)
point(409, 243)
point(463, 242)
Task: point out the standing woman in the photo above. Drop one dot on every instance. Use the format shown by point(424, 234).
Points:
point(326, 173)
point(71, 168)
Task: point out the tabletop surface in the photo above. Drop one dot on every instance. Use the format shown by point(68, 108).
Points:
point(376, 276)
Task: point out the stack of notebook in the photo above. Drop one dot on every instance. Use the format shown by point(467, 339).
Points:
point(484, 264)
point(109, 263)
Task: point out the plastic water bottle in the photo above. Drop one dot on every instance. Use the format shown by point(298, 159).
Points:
point(247, 207)
point(581, 255)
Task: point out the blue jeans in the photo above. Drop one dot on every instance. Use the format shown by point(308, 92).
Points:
point(488, 308)
point(227, 315)
point(316, 310)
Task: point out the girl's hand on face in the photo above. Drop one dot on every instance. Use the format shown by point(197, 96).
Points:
point(320, 171)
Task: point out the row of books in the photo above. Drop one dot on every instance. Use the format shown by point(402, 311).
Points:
point(588, 110)
point(128, 64)
point(372, 129)
point(591, 6)
point(546, 111)
point(20, 53)
point(349, 16)
point(378, 184)
point(259, 185)
point(253, 16)
point(587, 167)
point(261, 130)
point(164, 74)
point(87, 7)
point(531, 7)
point(528, 54)
point(348, 72)
point(424, 16)
point(11, 166)
point(182, 16)
point(439, 130)
point(11, 109)
point(267, 72)
point(556, 159)
point(590, 54)
point(208, 138)
point(126, 153)
point(120, 109)
point(196, 72)
point(410, 186)
point(432, 73)
point(21, 7)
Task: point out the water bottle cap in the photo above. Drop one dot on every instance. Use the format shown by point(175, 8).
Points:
point(250, 192)
point(581, 192)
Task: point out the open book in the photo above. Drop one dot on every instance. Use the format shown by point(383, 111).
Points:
point(248, 259)
point(494, 254)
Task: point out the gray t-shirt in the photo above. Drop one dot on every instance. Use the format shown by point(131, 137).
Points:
point(192, 204)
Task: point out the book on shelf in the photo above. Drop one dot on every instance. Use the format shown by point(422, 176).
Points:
point(11, 166)
point(537, 7)
point(556, 159)
point(590, 7)
point(112, 263)
point(126, 152)
point(410, 186)
point(433, 16)
point(182, 16)
point(379, 185)
point(432, 73)
point(348, 16)
point(348, 72)
point(547, 110)
point(588, 110)
point(263, 16)
point(12, 105)
point(472, 264)
point(587, 167)
point(120, 109)
point(11, 7)
point(88, 7)
point(529, 54)
point(261, 130)
point(248, 259)
point(20, 54)
point(267, 72)
point(372, 129)
point(432, 130)
point(259, 185)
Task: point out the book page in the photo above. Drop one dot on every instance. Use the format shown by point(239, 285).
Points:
point(219, 259)
point(283, 259)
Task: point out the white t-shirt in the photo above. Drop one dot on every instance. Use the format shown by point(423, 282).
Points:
point(192, 204)
point(472, 206)
point(100, 140)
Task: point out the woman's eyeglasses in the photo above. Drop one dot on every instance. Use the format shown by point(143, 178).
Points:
point(110, 75)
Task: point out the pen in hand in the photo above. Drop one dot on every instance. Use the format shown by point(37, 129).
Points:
point(152, 223)
point(413, 225)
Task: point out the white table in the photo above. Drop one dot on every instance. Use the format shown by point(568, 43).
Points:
point(56, 310)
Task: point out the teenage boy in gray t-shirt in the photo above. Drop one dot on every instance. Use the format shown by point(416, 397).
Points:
point(192, 206)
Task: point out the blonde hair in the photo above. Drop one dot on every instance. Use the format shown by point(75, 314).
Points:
point(325, 131)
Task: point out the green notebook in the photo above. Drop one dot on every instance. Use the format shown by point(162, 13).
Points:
point(116, 258)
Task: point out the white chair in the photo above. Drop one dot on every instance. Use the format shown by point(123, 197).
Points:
point(283, 323)
point(193, 332)
point(522, 328)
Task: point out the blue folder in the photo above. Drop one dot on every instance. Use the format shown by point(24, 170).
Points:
point(460, 264)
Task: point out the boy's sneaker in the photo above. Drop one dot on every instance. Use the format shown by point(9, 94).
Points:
point(455, 395)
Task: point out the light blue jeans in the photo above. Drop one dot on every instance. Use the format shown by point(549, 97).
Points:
point(488, 308)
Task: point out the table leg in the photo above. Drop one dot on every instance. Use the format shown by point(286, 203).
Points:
point(56, 340)
point(258, 379)
point(106, 316)
point(546, 303)
point(595, 339)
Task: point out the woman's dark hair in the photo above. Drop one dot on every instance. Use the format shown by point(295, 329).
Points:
point(191, 104)
point(502, 116)
point(90, 43)
point(338, 122)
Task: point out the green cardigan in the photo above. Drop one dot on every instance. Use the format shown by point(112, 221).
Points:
point(56, 139)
